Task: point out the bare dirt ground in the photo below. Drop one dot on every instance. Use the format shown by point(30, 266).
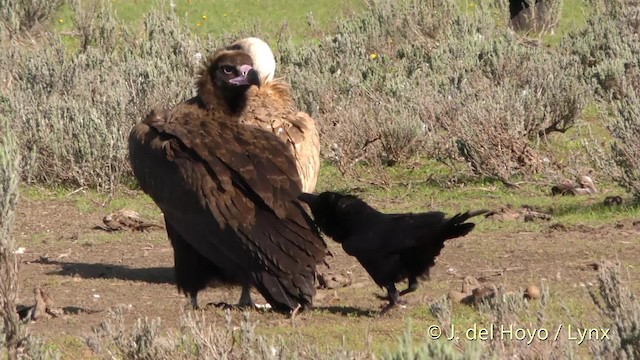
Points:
point(89, 271)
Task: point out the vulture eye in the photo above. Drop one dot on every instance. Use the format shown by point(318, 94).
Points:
point(227, 69)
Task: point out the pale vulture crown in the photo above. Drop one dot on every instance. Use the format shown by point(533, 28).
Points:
point(263, 60)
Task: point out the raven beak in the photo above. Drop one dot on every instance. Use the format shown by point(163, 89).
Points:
point(248, 76)
point(308, 198)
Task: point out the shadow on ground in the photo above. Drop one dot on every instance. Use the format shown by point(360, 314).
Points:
point(152, 275)
point(347, 311)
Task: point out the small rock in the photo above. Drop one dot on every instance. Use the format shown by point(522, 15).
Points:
point(503, 213)
point(558, 226)
point(601, 264)
point(329, 280)
point(532, 292)
point(525, 213)
point(482, 293)
point(456, 296)
point(469, 284)
point(584, 186)
point(613, 201)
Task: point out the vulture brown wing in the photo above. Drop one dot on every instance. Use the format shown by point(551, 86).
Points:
point(263, 164)
point(302, 134)
point(271, 107)
point(230, 191)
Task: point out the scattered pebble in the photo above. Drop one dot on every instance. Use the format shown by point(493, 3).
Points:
point(469, 284)
point(613, 201)
point(328, 280)
point(456, 296)
point(472, 292)
point(532, 292)
point(482, 293)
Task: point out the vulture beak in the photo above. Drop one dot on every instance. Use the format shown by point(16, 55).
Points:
point(308, 198)
point(248, 76)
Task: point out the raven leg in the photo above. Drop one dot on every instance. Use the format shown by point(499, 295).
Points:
point(394, 298)
point(411, 287)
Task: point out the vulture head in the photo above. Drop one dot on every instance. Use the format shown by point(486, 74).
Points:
point(227, 75)
point(263, 60)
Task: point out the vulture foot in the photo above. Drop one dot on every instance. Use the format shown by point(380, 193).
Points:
point(240, 306)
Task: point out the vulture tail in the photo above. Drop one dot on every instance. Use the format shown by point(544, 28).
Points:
point(278, 291)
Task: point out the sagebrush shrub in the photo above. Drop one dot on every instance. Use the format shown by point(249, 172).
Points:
point(74, 110)
point(402, 79)
point(625, 150)
point(200, 337)
point(608, 49)
point(620, 309)
point(18, 17)
point(12, 334)
point(384, 92)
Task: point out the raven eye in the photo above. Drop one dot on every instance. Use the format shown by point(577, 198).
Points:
point(227, 69)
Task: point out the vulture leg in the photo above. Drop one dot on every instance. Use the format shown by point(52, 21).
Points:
point(191, 270)
point(193, 299)
point(411, 287)
point(244, 302)
point(245, 298)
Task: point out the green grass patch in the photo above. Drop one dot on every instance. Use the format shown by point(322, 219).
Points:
point(301, 20)
point(573, 17)
point(431, 186)
point(90, 201)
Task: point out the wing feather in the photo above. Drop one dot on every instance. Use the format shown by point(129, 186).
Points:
point(231, 191)
point(271, 108)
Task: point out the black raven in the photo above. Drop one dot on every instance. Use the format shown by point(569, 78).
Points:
point(391, 247)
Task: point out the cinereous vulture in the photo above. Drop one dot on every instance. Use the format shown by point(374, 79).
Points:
point(228, 191)
point(272, 108)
